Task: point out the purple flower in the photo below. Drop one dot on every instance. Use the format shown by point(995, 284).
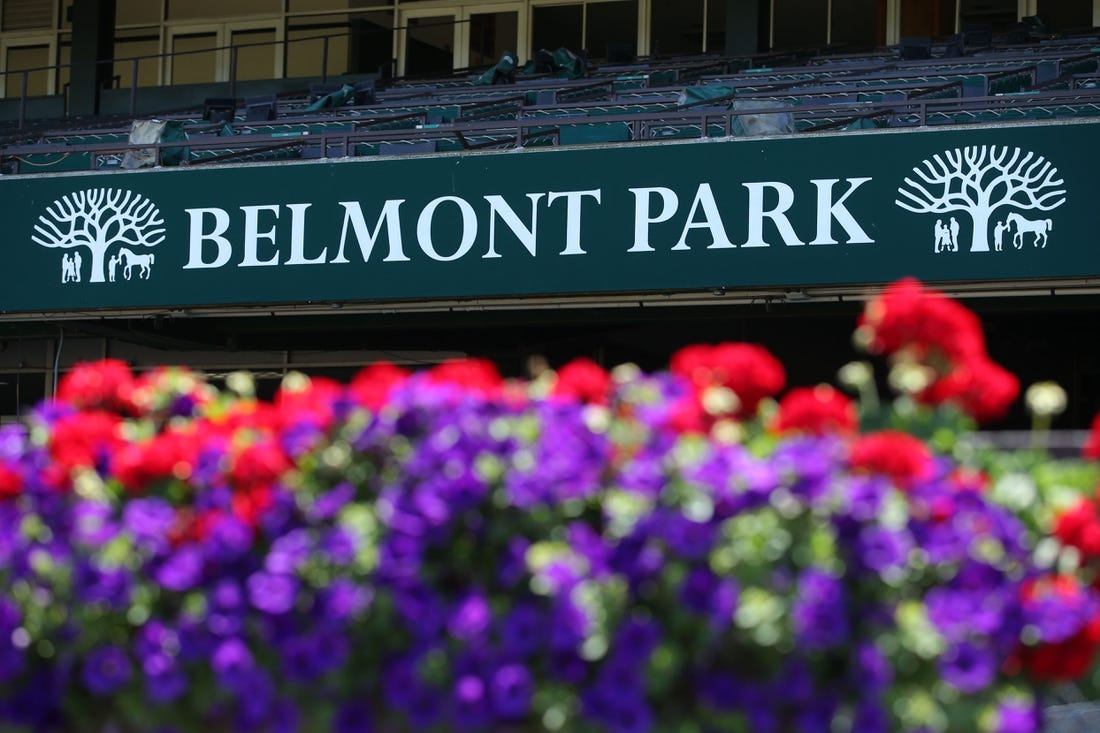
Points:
point(510, 691)
point(968, 667)
point(688, 539)
point(255, 696)
point(229, 538)
point(871, 717)
point(272, 593)
point(92, 523)
point(106, 586)
point(522, 631)
point(978, 600)
point(310, 655)
point(470, 618)
point(165, 681)
point(231, 661)
point(289, 552)
point(873, 669)
point(1018, 716)
point(182, 570)
point(819, 612)
point(329, 504)
point(636, 639)
point(343, 599)
point(339, 545)
point(107, 670)
point(880, 549)
point(471, 706)
point(149, 521)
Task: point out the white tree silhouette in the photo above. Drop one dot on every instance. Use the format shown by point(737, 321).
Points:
point(96, 219)
point(978, 180)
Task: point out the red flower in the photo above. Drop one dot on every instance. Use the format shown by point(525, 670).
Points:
point(978, 387)
point(1080, 528)
point(476, 375)
point(371, 387)
point(107, 384)
point(900, 456)
point(686, 415)
point(583, 380)
point(748, 370)
point(1072, 657)
point(908, 316)
point(1091, 449)
point(313, 401)
point(84, 439)
point(171, 454)
point(11, 482)
point(258, 466)
point(816, 410)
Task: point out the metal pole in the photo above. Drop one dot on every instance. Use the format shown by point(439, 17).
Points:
point(23, 101)
point(233, 71)
point(133, 89)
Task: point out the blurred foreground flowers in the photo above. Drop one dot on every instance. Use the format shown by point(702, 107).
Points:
point(587, 551)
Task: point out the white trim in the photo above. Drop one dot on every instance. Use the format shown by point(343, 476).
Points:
point(277, 60)
point(174, 30)
point(462, 28)
point(893, 22)
point(48, 40)
point(401, 19)
point(641, 43)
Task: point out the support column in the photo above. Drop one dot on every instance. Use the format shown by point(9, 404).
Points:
point(743, 25)
point(93, 24)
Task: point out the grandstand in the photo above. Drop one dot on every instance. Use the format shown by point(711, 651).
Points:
point(308, 185)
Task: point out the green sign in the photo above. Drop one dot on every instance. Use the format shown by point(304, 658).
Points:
point(975, 203)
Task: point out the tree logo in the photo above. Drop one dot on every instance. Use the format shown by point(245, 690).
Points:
point(99, 219)
point(979, 180)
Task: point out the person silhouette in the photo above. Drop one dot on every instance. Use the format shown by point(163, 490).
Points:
point(941, 231)
point(76, 266)
point(998, 236)
point(111, 265)
point(954, 235)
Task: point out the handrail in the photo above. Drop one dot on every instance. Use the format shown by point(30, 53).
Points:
point(523, 128)
point(233, 48)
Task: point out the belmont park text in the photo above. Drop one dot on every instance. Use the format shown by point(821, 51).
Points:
point(274, 234)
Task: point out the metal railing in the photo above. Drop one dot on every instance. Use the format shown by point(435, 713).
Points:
point(527, 129)
point(135, 62)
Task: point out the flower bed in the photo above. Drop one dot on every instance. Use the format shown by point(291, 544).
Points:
point(585, 551)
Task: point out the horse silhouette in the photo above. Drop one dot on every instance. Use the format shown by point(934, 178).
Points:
point(1026, 226)
point(131, 259)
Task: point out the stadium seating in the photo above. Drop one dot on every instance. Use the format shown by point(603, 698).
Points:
point(968, 79)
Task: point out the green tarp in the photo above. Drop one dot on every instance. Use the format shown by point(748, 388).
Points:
point(335, 99)
point(503, 72)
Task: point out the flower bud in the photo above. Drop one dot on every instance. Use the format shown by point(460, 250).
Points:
point(1045, 399)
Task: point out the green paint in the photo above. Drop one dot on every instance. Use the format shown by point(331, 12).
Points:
point(649, 218)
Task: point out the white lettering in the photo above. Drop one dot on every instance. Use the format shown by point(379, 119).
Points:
point(573, 201)
point(642, 219)
point(424, 228)
point(252, 236)
point(499, 207)
point(712, 220)
point(298, 238)
point(777, 215)
point(221, 223)
point(390, 216)
point(827, 210)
